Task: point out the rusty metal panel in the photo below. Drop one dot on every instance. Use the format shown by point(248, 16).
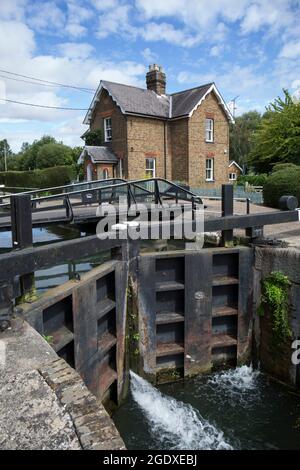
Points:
point(245, 309)
point(147, 313)
point(198, 313)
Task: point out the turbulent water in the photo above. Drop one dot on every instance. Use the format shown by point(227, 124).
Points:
point(174, 421)
point(235, 409)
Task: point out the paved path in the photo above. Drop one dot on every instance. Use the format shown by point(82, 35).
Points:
point(289, 232)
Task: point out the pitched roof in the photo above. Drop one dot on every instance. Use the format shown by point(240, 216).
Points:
point(233, 162)
point(184, 101)
point(134, 100)
point(98, 154)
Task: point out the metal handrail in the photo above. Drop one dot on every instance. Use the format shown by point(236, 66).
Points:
point(71, 185)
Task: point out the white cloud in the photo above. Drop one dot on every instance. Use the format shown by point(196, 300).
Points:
point(216, 51)
point(75, 66)
point(75, 50)
point(149, 55)
point(115, 21)
point(165, 31)
point(45, 16)
point(102, 5)
point(12, 9)
point(291, 50)
point(76, 15)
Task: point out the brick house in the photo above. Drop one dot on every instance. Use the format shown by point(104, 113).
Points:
point(181, 136)
point(234, 171)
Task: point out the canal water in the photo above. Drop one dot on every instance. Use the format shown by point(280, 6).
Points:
point(235, 409)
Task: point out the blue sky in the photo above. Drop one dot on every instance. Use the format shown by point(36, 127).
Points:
point(249, 48)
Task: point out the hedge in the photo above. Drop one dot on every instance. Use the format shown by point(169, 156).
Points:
point(282, 182)
point(47, 178)
point(253, 180)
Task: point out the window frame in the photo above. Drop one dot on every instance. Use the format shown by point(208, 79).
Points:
point(209, 131)
point(210, 169)
point(107, 130)
point(232, 179)
point(153, 170)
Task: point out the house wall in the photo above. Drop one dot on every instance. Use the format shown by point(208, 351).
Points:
point(88, 161)
point(234, 169)
point(179, 150)
point(107, 108)
point(145, 138)
point(199, 149)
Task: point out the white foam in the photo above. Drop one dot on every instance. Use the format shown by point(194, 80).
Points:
point(241, 379)
point(176, 424)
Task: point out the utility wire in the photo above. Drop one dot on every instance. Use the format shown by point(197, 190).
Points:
point(48, 81)
point(44, 106)
point(40, 84)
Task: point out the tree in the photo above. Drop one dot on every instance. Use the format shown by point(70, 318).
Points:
point(277, 140)
point(5, 152)
point(27, 157)
point(53, 154)
point(93, 137)
point(241, 136)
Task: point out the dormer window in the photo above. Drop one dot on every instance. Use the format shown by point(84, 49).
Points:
point(209, 130)
point(107, 130)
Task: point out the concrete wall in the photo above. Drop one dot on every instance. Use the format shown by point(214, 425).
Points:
point(277, 361)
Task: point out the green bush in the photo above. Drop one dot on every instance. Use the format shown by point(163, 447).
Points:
point(282, 182)
point(253, 180)
point(283, 166)
point(47, 178)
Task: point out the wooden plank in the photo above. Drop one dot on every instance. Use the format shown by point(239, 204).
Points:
point(224, 311)
point(147, 305)
point(198, 297)
point(220, 341)
point(167, 349)
point(168, 286)
point(245, 316)
point(85, 323)
point(224, 280)
point(121, 282)
point(165, 318)
point(33, 259)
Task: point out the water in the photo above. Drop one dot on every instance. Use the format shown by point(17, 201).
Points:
point(51, 277)
point(236, 409)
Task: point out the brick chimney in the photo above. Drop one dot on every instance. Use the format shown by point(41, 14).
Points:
point(156, 79)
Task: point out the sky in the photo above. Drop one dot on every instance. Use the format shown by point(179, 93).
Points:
point(249, 48)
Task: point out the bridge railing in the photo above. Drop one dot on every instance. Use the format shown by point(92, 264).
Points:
point(154, 190)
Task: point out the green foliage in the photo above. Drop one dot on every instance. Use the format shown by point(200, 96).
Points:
point(27, 158)
point(282, 182)
point(49, 177)
point(48, 338)
point(275, 296)
point(277, 140)
point(241, 136)
point(53, 154)
point(93, 137)
point(253, 180)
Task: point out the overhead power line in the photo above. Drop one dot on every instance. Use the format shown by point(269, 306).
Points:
point(39, 84)
point(40, 81)
point(43, 106)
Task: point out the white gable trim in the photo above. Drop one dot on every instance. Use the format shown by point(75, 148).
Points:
point(236, 164)
point(95, 100)
point(221, 102)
